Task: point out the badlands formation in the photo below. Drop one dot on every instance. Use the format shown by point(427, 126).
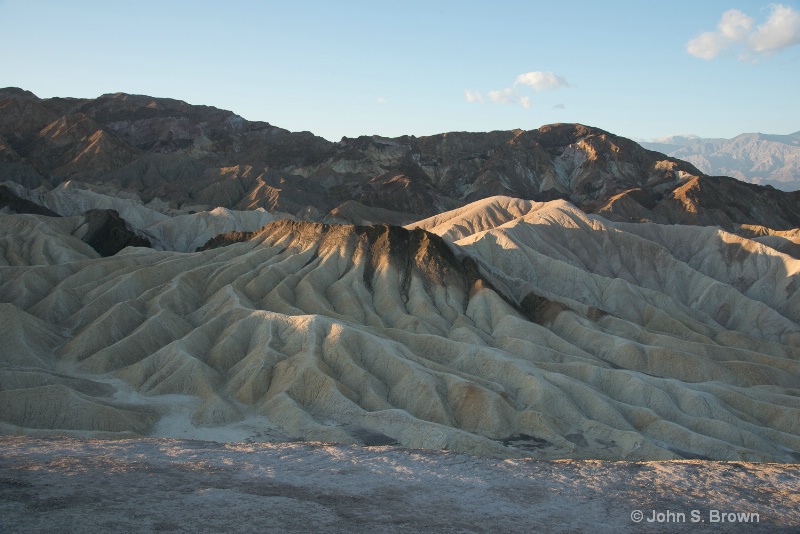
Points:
point(504, 328)
point(169, 270)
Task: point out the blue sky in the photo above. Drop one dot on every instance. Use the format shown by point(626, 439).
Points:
point(640, 69)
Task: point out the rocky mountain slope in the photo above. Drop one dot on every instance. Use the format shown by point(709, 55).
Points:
point(757, 158)
point(504, 328)
point(197, 158)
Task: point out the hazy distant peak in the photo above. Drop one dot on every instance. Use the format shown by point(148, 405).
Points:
point(676, 139)
point(760, 158)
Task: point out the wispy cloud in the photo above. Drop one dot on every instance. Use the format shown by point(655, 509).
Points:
point(381, 100)
point(538, 80)
point(503, 96)
point(473, 96)
point(707, 45)
point(541, 81)
point(559, 106)
point(735, 25)
point(738, 31)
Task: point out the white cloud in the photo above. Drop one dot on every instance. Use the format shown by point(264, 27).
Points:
point(781, 30)
point(735, 25)
point(538, 80)
point(503, 96)
point(707, 45)
point(559, 106)
point(510, 96)
point(381, 100)
point(541, 81)
point(473, 96)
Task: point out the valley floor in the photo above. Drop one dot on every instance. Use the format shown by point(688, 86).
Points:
point(162, 485)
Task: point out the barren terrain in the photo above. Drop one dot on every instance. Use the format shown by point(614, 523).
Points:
point(551, 330)
point(156, 485)
point(506, 328)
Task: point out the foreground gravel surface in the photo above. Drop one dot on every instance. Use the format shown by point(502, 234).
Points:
point(160, 485)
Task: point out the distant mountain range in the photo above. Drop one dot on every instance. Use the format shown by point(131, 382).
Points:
point(753, 157)
point(197, 158)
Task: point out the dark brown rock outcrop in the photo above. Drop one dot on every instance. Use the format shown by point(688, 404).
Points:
point(108, 233)
point(202, 156)
point(11, 202)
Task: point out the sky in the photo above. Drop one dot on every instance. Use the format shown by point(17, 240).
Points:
point(639, 69)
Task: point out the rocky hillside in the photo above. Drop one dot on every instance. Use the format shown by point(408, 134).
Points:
point(199, 157)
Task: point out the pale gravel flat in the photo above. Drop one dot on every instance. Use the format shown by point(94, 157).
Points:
point(161, 485)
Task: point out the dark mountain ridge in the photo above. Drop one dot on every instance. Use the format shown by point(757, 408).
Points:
point(200, 156)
